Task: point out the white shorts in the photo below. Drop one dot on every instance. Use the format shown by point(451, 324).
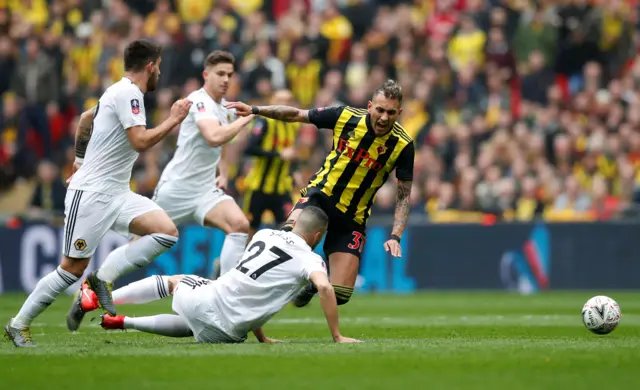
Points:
point(89, 215)
point(194, 301)
point(185, 206)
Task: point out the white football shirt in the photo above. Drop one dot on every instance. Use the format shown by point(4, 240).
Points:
point(275, 267)
point(110, 156)
point(194, 162)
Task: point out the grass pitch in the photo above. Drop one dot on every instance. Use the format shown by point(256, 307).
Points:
point(462, 340)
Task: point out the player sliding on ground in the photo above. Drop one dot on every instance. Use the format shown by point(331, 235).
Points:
point(276, 266)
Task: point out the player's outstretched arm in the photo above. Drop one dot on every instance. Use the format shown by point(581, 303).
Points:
point(216, 134)
point(281, 113)
point(143, 139)
point(329, 306)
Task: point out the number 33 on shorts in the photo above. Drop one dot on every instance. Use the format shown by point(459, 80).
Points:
point(357, 242)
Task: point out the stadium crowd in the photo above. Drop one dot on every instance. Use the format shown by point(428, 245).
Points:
point(519, 109)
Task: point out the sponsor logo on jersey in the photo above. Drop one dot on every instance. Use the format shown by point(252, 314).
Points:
point(135, 106)
point(200, 106)
point(358, 155)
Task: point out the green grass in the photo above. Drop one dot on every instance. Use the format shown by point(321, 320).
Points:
point(462, 340)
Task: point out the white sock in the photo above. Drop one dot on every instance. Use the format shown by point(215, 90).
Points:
point(163, 324)
point(46, 291)
point(232, 251)
point(134, 255)
point(143, 291)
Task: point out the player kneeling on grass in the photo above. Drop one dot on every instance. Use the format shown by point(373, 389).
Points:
point(276, 266)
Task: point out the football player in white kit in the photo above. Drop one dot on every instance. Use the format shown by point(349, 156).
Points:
point(276, 266)
point(99, 197)
point(187, 189)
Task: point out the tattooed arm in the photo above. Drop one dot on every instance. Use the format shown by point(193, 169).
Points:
point(284, 113)
point(403, 205)
point(404, 174)
point(324, 117)
point(83, 133)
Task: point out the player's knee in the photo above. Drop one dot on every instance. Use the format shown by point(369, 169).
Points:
point(343, 294)
point(168, 229)
point(239, 224)
point(74, 266)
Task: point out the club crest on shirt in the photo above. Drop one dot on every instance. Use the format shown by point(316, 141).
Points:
point(135, 106)
point(80, 244)
point(382, 149)
point(200, 107)
point(257, 130)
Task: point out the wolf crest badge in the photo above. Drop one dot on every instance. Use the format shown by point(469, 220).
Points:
point(135, 106)
point(80, 244)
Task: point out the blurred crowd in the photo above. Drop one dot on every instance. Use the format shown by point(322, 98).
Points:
point(519, 108)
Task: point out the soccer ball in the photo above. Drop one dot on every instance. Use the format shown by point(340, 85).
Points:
point(601, 314)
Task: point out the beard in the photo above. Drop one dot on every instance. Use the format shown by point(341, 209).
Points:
point(152, 83)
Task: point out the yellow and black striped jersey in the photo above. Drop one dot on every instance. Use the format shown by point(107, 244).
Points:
point(360, 162)
point(270, 174)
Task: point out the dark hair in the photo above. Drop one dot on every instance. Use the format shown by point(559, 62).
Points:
point(219, 57)
point(317, 216)
point(139, 53)
point(390, 90)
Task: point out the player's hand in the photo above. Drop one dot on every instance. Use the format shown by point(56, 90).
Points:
point(267, 340)
point(242, 109)
point(344, 340)
point(393, 246)
point(75, 168)
point(222, 182)
point(180, 109)
point(288, 154)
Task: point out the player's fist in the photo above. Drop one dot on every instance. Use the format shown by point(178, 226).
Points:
point(180, 109)
point(393, 246)
point(344, 340)
point(242, 109)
